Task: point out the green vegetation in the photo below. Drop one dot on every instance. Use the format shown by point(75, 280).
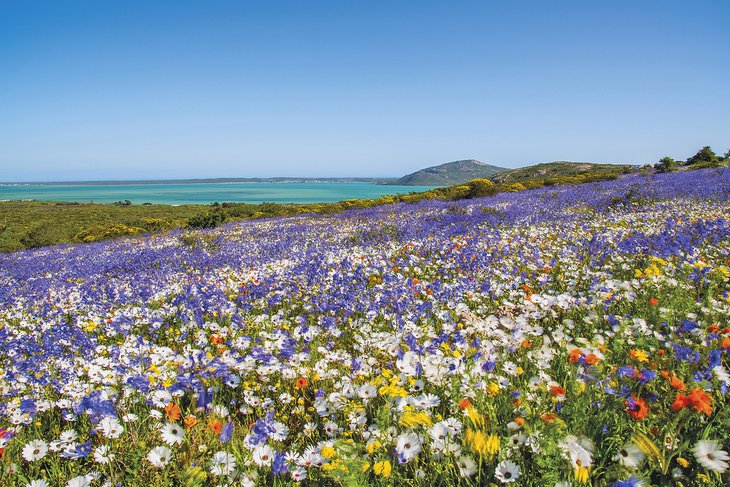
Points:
point(704, 158)
point(30, 224)
point(449, 174)
point(26, 225)
point(559, 171)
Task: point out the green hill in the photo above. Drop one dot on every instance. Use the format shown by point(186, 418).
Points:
point(558, 169)
point(457, 172)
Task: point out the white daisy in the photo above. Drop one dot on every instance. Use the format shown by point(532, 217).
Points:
point(507, 472)
point(578, 450)
point(222, 463)
point(331, 428)
point(467, 466)
point(159, 456)
point(281, 431)
point(309, 428)
point(221, 411)
point(37, 483)
point(111, 427)
point(367, 391)
point(161, 398)
point(630, 456)
point(709, 454)
point(79, 481)
point(262, 455)
point(35, 450)
point(68, 436)
point(103, 455)
point(517, 440)
point(407, 447)
point(172, 434)
point(298, 474)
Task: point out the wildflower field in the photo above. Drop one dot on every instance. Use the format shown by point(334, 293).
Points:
point(571, 335)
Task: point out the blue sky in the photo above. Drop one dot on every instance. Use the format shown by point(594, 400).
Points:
point(172, 89)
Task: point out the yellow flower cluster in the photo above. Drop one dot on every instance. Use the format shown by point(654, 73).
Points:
point(411, 419)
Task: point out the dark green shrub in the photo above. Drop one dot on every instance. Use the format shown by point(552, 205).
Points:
point(42, 236)
point(705, 155)
point(666, 164)
point(207, 220)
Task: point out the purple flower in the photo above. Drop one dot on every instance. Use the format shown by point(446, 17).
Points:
point(226, 432)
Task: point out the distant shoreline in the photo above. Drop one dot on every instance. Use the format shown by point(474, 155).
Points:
point(201, 181)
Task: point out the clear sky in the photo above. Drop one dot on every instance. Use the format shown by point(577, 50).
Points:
point(172, 89)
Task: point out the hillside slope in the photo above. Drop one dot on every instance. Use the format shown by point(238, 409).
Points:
point(556, 169)
point(450, 173)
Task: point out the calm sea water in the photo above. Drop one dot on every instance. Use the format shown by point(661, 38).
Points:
point(204, 193)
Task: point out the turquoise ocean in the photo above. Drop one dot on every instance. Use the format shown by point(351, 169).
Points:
point(204, 193)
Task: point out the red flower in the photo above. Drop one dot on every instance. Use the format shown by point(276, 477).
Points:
point(653, 301)
point(637, 408)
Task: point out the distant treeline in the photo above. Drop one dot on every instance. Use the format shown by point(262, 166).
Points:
point(704, 158)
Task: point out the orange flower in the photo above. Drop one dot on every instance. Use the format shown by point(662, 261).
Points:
point(653, 301)
point(528, 292)
point(526, 344)
point(726, 342)
point(190, 421)
point(172, 411)
point(557, 391)
point(547, 417)
point(592, 359)
point(216, 339)
point(575, 355)
point(216, 425)
point(464, 403)
point(520, 421)
point(700, 401)
point(637, 408)
point(680, 402)
point(677, 383)
point(302, 383)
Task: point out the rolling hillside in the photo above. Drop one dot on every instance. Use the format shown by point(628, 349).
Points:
point(450, 173)
point(556, 169)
